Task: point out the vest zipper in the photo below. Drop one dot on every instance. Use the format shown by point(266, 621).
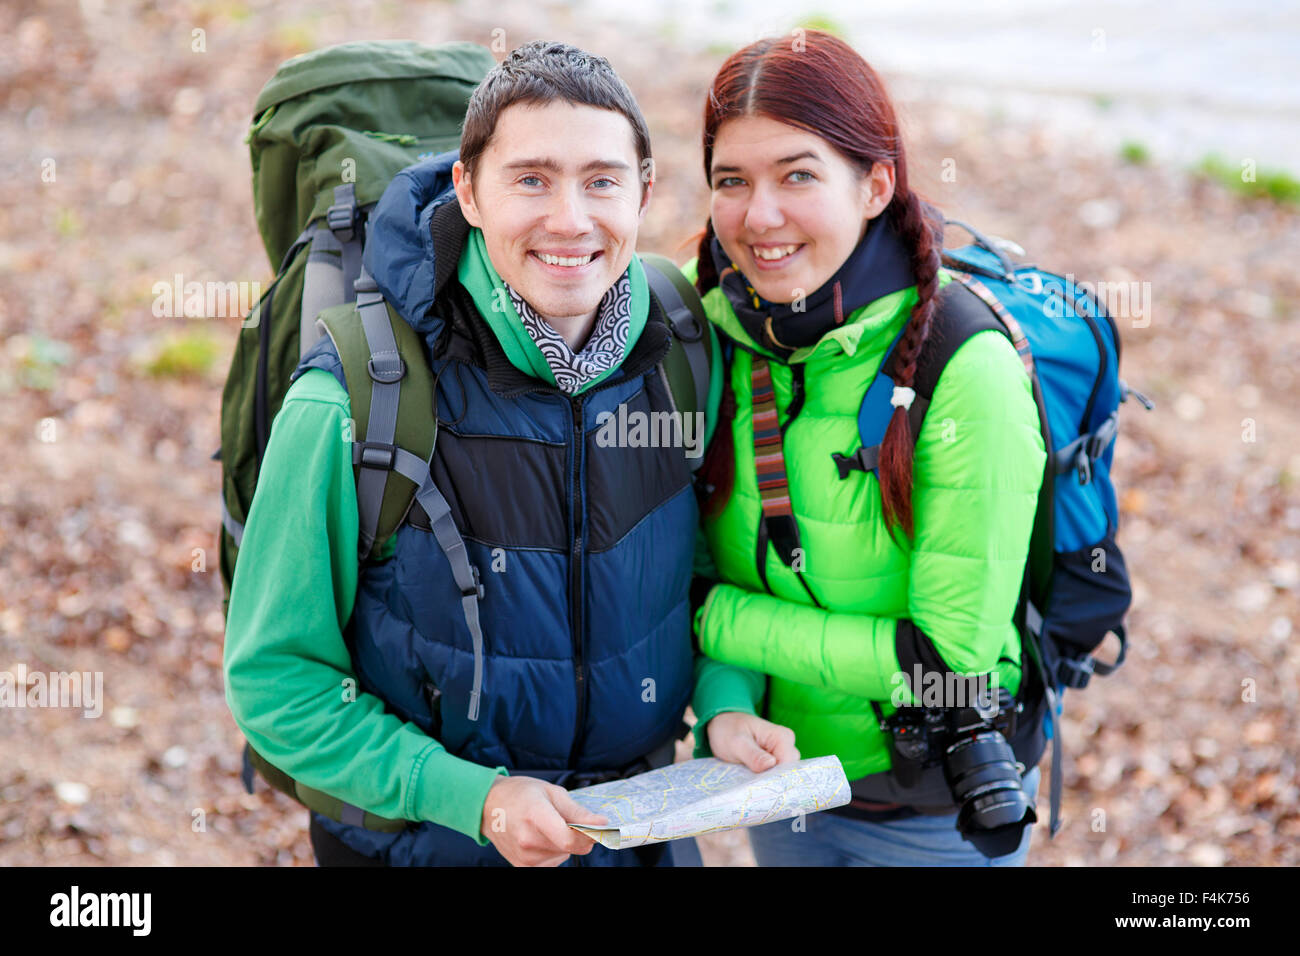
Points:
point(575, 561)
point(576, 582)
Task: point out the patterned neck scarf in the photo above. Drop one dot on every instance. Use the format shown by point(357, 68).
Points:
point(604, 350)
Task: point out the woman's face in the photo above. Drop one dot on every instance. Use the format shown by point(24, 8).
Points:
point(787, 207)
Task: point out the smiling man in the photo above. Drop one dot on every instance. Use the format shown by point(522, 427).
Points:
point(538, 322)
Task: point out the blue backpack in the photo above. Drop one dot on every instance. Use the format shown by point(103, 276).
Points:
point(1076, 588)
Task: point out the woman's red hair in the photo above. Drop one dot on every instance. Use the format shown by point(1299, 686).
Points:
point(816, 82)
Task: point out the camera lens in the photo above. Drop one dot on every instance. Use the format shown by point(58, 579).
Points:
point(981, 770)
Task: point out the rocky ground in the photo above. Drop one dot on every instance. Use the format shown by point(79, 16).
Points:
point(124, 143)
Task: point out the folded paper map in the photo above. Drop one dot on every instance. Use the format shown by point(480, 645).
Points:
point(705, 796)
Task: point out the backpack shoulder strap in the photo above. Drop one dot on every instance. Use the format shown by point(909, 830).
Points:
point(689, 361)
point(390, 387)
point(959, 315)
point(333, 263)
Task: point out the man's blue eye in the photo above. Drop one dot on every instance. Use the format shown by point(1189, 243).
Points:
point(530, 180)
point(608, 182)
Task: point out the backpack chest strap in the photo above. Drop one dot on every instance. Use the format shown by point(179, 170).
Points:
point(961, 312)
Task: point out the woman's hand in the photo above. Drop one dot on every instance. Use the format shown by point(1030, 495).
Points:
point(757, 743)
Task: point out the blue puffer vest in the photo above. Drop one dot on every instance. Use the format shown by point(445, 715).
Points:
point(585, 551)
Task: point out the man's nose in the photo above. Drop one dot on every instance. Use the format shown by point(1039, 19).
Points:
point(568, 214)
point(763, 212)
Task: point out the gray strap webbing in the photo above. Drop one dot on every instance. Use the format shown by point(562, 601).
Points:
point(1092, 444)
point(342, 221)
point(386, 373)
point(465, 573)
point(233, 527)
point(404, 463)
point(453, 546)
point(1058, 770)
point(1034, 622)
point(322, 285)
point(410, 466)
point(698, 360)
point(869, 458)
point(684, 326)
point(351, 266)
point(304, 237)
point(699, 363)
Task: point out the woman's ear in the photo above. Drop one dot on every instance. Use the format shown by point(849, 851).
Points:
point(878, 189)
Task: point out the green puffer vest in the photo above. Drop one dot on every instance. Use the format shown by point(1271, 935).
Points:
point(977, 467)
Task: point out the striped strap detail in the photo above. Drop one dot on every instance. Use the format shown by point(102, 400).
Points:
point(769, 457)
point(1018, 338)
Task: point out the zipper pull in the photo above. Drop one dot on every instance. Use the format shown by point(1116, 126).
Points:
point(1125, 392)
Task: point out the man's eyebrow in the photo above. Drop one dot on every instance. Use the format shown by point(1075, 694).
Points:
point(806, 154)
point(554, 166)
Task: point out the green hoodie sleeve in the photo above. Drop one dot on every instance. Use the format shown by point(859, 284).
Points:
point(977, 469)
point(289, 678)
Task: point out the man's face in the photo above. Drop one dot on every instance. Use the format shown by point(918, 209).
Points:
point(558, 196)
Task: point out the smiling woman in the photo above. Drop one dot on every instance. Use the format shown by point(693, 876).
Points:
point(832, 588)
point(787, 207)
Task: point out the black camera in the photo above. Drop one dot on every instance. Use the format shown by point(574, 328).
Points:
point(981, 771)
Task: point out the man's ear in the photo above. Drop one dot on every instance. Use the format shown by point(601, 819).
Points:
point(878, 189)
point(645, 200)
point(460, 180)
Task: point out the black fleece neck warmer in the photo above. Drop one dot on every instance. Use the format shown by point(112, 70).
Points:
point(880, 264)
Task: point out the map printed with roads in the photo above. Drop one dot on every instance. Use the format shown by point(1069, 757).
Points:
point(704, 796)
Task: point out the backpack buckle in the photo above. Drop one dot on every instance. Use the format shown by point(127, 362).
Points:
point(375, 454)
point(341, 218)
point(1074, 674)
point(1103, 436)
point(685, 326)
point(477, 590)
point(1083, 465)
point(864, 459)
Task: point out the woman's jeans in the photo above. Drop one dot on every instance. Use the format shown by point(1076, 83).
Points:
point(828, 839)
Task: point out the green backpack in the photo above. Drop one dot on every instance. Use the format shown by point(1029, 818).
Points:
point(330, 130)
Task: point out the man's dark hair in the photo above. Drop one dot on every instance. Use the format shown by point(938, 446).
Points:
point(542, 72)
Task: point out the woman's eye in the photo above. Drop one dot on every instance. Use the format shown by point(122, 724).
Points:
point(726, 181)
point(801, 176)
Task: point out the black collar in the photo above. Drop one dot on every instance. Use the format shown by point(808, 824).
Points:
point(879, 264)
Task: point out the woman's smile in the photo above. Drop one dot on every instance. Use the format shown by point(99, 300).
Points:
point(771, 257)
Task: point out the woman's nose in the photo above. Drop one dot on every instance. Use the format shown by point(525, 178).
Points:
point(763, 212)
